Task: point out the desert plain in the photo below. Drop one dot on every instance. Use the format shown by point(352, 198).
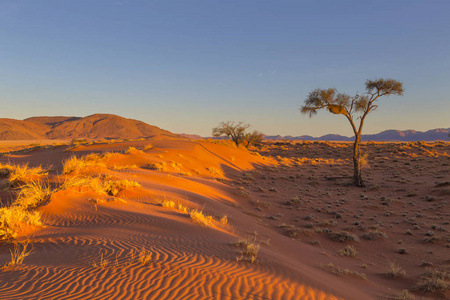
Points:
point(173, 218)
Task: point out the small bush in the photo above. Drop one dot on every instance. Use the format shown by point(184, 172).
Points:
point(405, 295)
point(216, 172)
point(394, 271)
point(342, 236)
point(373, 235)
point(348, 251)
point(248, 250)
point(433, 280)
point(161, 167)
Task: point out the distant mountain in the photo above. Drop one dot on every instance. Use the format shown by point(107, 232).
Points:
point(439, 134)
point(97, 126)
point(191, 136)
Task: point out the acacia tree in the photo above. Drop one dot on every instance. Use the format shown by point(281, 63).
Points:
point(255, 138)
point(353, 108)
point(236, 131)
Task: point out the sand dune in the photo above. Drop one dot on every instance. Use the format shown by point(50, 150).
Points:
point(154, 252)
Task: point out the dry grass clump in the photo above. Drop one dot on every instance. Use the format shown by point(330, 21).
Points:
point(198, 217)
point(20, 174)
point(99, 184)
point(248, 250)
point(114, 187)
point(160, 167)
point(84, 182)
point(133, 150)
point(343, 272)
point(433, 280)
point(342, 236)
point(194, 214)
point(102, 263)
point(216, 172)
point(33, 194)
point(78, 165)
point(349, 250)
point(19, 253)
point(144, 256)
point(123, 167)
point(13, 219)
point(373, 235)
point(394, 271)
point(405, 295)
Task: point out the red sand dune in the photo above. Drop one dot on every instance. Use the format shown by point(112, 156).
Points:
point(190, 261)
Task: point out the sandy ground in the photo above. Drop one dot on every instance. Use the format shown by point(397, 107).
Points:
point(292, 199)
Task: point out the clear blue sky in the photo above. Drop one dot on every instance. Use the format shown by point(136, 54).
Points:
point(185, 65)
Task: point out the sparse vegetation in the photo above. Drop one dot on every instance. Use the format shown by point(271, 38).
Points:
point(33, 194)
point(394, 271)
point(114, 187)
point(247, 250)
point(15, 219)
point(198, 217)
point(19, 252)
point(20, 174)
point(434, 280)
point(343, 104)
point(343, 272)
point(342, 236)
point(349, 250)
point(79, 165)
point(216, 172)
point(102, 263)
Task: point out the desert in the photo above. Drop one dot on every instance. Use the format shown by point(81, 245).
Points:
point(226, 150)
point(166, 217)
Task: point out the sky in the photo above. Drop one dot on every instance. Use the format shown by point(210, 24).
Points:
point(186, 66)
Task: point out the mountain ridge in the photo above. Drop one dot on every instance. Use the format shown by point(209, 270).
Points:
point(96, 126)
point(386, 135)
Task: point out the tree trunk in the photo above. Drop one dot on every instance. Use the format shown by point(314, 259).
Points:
point(357, 178)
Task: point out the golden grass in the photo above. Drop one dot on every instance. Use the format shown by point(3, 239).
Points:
point(99, 184)
point(161, 167)
point(216, 172)
point(93, 183)
point(194, 214)
point(198, 217)
point(33, 194)
point(114, 187)
point(133, 150)
point(78, 165)
point(19, 174)
point(18, 254)
point(13, 219)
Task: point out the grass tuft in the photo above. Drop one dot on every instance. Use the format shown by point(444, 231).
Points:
point(19, 252)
